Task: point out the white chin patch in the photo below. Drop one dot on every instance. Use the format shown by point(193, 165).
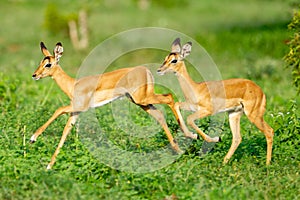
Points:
point(36, 78)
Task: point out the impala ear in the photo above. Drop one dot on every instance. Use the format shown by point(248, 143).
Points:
point(186, 49)
point(58, 51)
point(44, 49)
point(176, 47)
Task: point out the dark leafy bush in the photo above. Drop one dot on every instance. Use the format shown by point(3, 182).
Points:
point(55, 21)
point(292, 59)
point(8, 92)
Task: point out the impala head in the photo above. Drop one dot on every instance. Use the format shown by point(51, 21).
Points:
point(49, 64)
point(174, 61)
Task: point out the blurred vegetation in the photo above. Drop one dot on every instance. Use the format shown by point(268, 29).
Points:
point(54, 21)
point(8, 92)
point(292, 59)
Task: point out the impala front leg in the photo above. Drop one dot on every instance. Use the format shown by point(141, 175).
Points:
point(71, 121)
point(191, 121)
point(184, 106)
point(234, 122)
point(58, 112)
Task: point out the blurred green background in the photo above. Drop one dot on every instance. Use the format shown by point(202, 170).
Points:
point(244, 38)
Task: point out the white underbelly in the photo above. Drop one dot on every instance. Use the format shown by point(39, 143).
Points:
point(96, 104)
point(231, 109)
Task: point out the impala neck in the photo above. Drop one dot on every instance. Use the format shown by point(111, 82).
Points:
point(186, 83)
point(64, 81)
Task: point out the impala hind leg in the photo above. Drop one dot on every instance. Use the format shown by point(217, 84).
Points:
point(269, 133)
point(160, 99)
point(257, 118)
point(191, 121)
point(260, 123)
point(57, 113)
point(71, 121)
point(161, 120)
point(175, 107)
point(234, 122)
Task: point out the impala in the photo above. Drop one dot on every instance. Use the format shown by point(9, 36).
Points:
point(93, 91)
point(235, 96)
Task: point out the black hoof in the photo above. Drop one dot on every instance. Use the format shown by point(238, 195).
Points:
point(220, 139)
point(32, 141)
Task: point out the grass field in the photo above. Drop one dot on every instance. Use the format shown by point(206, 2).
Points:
point(245, 39)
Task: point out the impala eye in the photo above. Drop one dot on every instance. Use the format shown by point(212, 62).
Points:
point(48, 65)
point(174, 61)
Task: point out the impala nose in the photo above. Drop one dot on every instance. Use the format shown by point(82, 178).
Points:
point(159, 71)
point(35, 77)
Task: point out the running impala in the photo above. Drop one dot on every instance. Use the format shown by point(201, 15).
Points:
point(235, 96)
point(137, 83)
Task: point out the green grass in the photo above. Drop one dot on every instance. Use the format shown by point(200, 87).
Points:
point(245, 40)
